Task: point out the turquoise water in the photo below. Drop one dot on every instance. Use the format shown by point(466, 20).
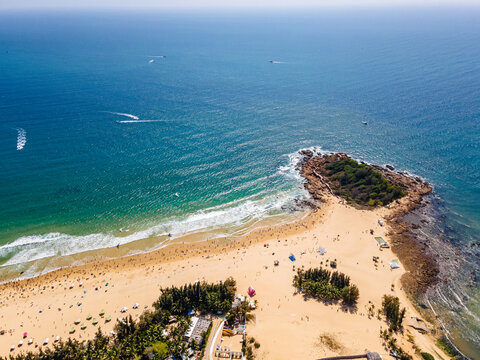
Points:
point(216, 155)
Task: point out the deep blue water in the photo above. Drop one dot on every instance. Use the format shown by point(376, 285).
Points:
point(226, 120)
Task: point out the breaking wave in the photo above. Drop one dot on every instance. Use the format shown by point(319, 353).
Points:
point(229, 219)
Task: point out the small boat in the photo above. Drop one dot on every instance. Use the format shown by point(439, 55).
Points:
point(364, 122)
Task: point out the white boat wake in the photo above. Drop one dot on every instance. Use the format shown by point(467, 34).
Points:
point(138, 121)
point(21, 138)
point(124, 114)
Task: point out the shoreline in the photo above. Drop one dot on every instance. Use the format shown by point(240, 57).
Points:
point(138, 278)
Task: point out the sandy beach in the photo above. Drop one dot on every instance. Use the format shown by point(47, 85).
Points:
point(286, 325)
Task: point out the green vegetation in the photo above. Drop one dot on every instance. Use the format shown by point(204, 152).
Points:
point(444, 344)
point(322, 284)
point(391, 310)
point(390, 342)
point(360, 184)
point(155, 335)
point(201, 297)
point(249, 345)
point(427, 356)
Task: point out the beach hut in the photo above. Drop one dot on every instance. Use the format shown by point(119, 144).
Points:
point(381, 242)
point(95, 321)
point(84, 326)
point(72, 330)
point(321, 250)
point(251, 291)
point(394, 264)
point(30, 341)
point(89, 316)
point(45, 342)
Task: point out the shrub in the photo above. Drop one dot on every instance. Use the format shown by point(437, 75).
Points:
point(360, 183)
point(427, 356)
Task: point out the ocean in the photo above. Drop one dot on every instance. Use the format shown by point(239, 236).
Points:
point(139, 128)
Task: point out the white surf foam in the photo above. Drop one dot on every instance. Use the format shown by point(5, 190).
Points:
point(157, 56)
point(223, 220)
point(21, 138)
point(151, 61)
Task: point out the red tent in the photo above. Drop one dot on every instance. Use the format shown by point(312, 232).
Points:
point(251, 291)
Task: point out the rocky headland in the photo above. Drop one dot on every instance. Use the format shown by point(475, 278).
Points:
point(421, 268)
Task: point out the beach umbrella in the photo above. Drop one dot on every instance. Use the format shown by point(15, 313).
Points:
point(12, 347)
point(2, 332)
point(77, 321)
point(45, 342)
point(20, 343)
point(135, 306)
point(89, 316)
point(109, 318)
point(102, 312)
point(124, 309)
point(84, 326)
point(95, 321)
point(72, 330)
point(25, 335)
point(57, 338)
point(30, 341)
